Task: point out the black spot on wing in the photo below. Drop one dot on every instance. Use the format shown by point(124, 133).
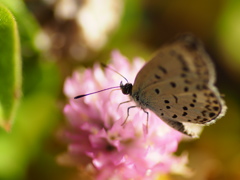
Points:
point(166, 101)
point(183, 62)
point(157, 76)
point(204, 112)
point(174, 116)
point(168, 107)
point(215, 108)
point(185, 108)
point(176, 99)
point(215, 102)
point(183, 75)
point(157, 91)
point(211, 115)
point(192, 105)
point(173, 84)
point(164, 71)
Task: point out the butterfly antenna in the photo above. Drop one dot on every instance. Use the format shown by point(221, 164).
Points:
point(83, 95)
point(105, 66)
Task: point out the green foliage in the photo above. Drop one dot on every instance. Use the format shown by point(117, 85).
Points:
point(10, 67)
point(28, 30)
point(228, 35)
point(37, 113)
point(34, 122)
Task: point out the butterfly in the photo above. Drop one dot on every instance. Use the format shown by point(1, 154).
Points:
point(177, 84)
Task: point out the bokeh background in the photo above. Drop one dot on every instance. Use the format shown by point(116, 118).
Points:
point(59, 36)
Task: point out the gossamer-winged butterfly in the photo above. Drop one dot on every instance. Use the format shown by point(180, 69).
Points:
point(178, 86)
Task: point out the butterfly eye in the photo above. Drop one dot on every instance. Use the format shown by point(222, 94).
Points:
point(126, 89)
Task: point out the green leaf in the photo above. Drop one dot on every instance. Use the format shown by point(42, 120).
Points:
point(27, 26)
point(37, 118)
point(10, 67)
point(31, 54)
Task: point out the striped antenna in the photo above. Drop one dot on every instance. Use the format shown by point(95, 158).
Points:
point(105, 66)
point(83, 95)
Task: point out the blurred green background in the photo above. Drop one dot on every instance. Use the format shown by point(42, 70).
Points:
point(55, 40)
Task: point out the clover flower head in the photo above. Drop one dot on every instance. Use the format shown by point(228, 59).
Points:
point(96, 137)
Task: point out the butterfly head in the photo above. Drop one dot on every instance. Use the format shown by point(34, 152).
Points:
point(126, 88)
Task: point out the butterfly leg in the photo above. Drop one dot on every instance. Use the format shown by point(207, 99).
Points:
point(127, 113)
point(147, 120)
point(122, 103)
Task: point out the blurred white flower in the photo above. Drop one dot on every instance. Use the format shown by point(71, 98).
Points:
point(95, 18)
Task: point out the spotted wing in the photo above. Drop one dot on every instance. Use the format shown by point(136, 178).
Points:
point(183, 57)
point(178, 86)
point(184, 104)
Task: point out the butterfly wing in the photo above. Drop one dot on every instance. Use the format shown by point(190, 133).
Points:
point(183, 57)
point(178, 86)
point(184, 104)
